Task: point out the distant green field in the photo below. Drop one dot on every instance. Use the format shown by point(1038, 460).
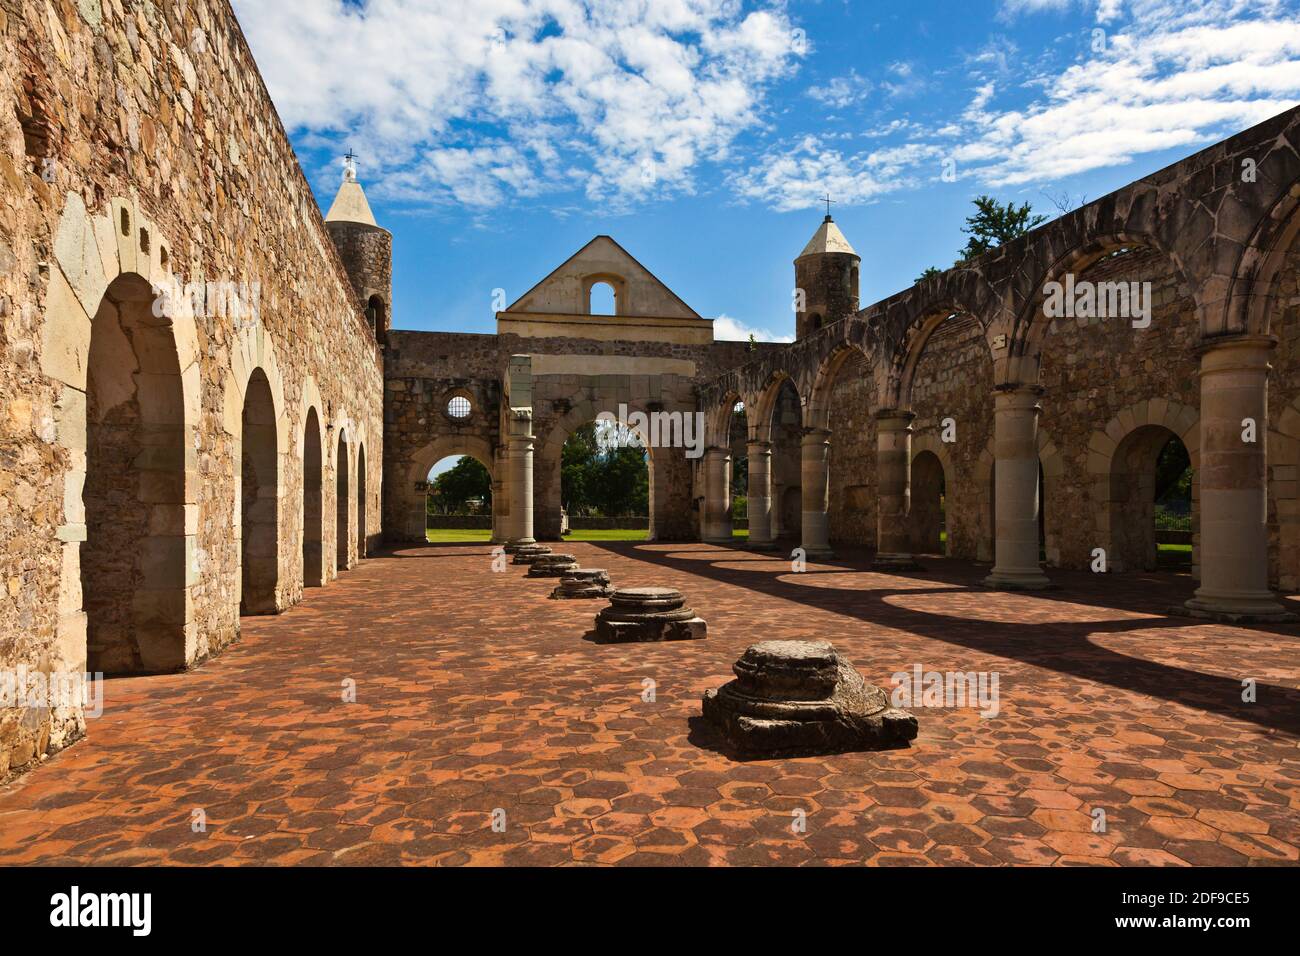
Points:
point(483, 536)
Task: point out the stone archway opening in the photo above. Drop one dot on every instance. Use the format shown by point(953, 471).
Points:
point(362, 542)
point(602, 299)
point(606, 483)
point(787, 466)
point(928, 514)
point(738, 490)
point(134, 560)
point(1150, 502)
point(313, 514)
point(342, 522)
point(458, 501)
point(259, 500)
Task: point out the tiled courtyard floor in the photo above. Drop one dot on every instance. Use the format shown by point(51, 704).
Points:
point(475, 694)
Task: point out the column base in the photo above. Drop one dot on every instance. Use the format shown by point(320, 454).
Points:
point(1018, 581)
point(716, 540)
point(896, 562)
point(1255, 608)
point(818, 554)
point(766, 546)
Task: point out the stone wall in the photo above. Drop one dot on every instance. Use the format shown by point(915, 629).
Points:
point(140, 148)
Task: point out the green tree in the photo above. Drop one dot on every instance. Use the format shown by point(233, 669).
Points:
point(932, 271)
point(995, 223)
point(452, 491)
point(607, 481)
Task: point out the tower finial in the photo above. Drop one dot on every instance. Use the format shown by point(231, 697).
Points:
point(350, 167)
point(828, 200)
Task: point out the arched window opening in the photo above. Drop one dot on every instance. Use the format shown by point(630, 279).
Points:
point(602, 299)
point(375, 315)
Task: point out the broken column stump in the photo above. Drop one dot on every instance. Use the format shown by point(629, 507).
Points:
point(527, 553)
point(648, 614)
point(583, 583)
point(552, 565)
point(799, 698)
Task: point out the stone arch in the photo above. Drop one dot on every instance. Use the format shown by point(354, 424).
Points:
point(546, 463)
point(761, 420)
point(1027, 337)
point(412, 493)
point(363, 531)
point(108, 267)
point(818, 412)
point(343, 545)
point(924, 515)
point(1052, 467)
point(903, 373)
point(1119, 458)
point(1253, 290)
point(259, 499)
point(616, 282)
point(313, 500)
point(1284, 498)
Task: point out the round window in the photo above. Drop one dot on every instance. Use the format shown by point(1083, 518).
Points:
point(458, 407)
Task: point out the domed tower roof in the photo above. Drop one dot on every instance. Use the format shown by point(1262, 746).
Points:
point(828, 238)
point(350, 204)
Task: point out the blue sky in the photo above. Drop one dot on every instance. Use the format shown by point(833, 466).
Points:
point(498, 136)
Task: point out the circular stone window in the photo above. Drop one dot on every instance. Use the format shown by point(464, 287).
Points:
point(459, 408)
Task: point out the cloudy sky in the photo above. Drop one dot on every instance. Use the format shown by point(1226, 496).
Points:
point(498, 136)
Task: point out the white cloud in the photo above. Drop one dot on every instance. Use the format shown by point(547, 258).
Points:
point(842, 91)
point(794, 176)
point(480, 101)
point(1182, 74)
point(728, 329)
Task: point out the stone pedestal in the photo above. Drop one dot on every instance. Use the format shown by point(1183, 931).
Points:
point(648, 614)
point(581, 583)
point(528, 553)
point(794, 698)
point(760, 494)
point(893, 476)
point(552, 565)
point(1234, 484)
point(1015, 450)
point(816, 477)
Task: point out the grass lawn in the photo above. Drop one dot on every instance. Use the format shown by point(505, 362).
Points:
point(483, 536)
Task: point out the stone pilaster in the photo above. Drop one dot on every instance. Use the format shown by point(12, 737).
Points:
point(893, 478)
point(521, 476)
point(717, 495)
point(815, 475)
point(760, 493)
point(1015, 449)
point(1234, 482)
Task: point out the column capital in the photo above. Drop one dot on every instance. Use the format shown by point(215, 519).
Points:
point(717, 451)
point(761, 445)
point(813, 435)
point(1235, 352)
point(894, 419)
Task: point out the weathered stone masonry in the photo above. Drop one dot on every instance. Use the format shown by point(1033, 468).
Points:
point(140, 148)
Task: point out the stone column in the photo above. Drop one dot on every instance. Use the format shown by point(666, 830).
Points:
point(1234, 482)
point(717, 495)
point(894, 489)
point(815, 480)
point(760, 493)
point(1015, 450)
point(521, 477)
point(500, 465)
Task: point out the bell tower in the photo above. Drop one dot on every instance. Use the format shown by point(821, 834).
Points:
point(826, 273)
point(365, 248)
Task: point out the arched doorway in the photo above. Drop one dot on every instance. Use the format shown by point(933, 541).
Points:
point(362, 547)
point(313, 515)
point(134, 558)
point(459, 502)
point(259, 500)
point(738, 490)
point(927, 519)
point(342, 526)
point(1150, 502)
point(605, 483)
